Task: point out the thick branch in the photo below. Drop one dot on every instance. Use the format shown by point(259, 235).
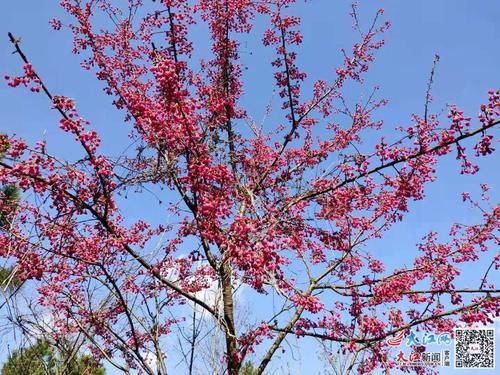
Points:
point(389, 333)
point(315, 193)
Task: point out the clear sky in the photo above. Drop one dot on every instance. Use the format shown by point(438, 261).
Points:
point(464, 33)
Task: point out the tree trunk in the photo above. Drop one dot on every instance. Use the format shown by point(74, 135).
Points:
point(233, 363)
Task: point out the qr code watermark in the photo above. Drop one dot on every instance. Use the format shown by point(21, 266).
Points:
point(474, 348)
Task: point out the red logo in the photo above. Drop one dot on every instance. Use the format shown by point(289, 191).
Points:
point(397, 339)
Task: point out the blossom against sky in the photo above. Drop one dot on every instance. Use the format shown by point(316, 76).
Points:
point(462, 33)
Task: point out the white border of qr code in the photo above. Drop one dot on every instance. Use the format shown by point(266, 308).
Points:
point(474, 329)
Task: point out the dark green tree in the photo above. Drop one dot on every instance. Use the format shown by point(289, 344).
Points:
point(9, 280)
point(248, 369)
point(43, 358)
point(9, 199)
point(9, 195)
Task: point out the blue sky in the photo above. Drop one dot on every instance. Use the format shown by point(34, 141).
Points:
point(464, 33)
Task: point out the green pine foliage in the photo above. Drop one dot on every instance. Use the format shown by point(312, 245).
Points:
point(43, 359)
point(9, 194)
point(4, 146)
point(9, 279)
point(9, 198)
point(248, 369)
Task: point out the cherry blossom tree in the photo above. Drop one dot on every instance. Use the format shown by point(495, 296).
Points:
point(280, 211)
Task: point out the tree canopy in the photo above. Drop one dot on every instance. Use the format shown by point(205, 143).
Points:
point(197, 207)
